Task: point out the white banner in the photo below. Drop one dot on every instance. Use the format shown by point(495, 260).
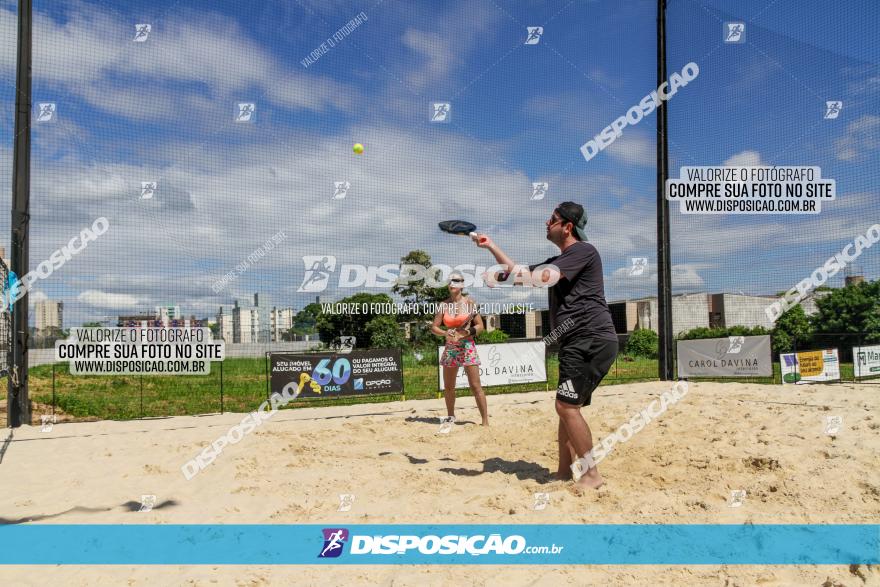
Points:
point(866, 361)
point(504, 364)
point(810, 366)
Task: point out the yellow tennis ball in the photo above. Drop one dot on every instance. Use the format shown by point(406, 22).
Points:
point(358, 148)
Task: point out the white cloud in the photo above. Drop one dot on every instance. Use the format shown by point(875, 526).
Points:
point(112, 301)
point(151, 80)
point(634, 149)
point(745, 159)
point(862, 136)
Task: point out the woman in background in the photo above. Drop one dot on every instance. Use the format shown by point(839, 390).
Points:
point(458, 321)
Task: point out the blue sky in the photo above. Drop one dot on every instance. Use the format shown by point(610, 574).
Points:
point(163, 111)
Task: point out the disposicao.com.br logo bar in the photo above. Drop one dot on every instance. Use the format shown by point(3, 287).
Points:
point(438, 543)
point(302, 544)
point(319, 270)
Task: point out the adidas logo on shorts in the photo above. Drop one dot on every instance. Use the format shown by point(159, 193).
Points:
point(567, 389)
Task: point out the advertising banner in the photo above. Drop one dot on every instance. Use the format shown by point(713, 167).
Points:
point(504, 364)
point(866, 361)
point(358, 372)
point(810, 366)
point(732, 356)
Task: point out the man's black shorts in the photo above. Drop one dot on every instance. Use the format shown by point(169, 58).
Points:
point(583, 362)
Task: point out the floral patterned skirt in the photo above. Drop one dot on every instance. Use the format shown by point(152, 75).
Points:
point(460, 353)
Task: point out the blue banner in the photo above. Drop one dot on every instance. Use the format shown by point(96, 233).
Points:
point(681, 544)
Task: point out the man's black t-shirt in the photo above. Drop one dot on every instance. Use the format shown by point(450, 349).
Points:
point(580, 294)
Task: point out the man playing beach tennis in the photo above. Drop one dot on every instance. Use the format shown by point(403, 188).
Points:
point(580, 318)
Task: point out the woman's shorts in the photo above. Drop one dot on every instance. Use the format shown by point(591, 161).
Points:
point(462, 353)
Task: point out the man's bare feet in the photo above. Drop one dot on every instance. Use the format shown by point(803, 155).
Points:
point(562, 476)
point(591, 478)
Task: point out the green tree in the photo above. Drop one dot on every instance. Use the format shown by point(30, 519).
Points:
point(793, 326)
point(494, 337)
point(93, 325)
point(853, 309)
point(416, 291)
point(306, 319)
point(331, 326)
point(643, 343)
point(385, 333)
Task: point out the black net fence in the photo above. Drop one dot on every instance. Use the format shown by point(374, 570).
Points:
point(261, 170)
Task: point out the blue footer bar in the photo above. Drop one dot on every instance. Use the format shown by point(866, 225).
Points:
point(680, 544)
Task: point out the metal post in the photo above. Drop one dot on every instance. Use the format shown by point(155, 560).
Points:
point(18, 404)
point(664, 260)
point(268, 388)
point(221, 387)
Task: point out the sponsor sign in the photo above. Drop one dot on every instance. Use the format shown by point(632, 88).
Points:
point(504, 364)
point(731, 356)
point(866, 361)
point(810, 366)
point(356, 372)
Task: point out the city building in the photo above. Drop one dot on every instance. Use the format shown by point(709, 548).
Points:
point(167, 314)
point(280, 322)
point(689, 311)
point(224, 323)
point(242, 325)
point(48, 314)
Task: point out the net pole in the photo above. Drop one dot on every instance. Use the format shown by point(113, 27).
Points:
point(17, 402)
point(664, 261)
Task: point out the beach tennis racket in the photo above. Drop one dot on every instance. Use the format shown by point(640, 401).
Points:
point(460, 227)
